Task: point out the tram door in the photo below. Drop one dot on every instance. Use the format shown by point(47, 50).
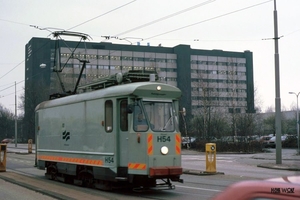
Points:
point(122, 137)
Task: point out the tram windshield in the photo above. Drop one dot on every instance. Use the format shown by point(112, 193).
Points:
point(159, 116)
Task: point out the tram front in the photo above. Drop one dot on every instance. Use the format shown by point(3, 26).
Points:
point(154, 146)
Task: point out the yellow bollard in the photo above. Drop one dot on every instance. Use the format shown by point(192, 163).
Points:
point(30, 146)
point(2, 157)
point(211, 150)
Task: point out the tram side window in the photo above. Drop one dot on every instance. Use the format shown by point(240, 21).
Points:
point(108, 116)
point(123, 116)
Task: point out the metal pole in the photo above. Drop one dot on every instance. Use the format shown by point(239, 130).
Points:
point(298, 125)
point(16, 122)
point(277, 88)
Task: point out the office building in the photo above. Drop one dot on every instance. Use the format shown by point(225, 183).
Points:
point(213, 79)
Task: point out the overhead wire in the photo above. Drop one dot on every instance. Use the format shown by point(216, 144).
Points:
point(167, 17)
point(37, 27)
point(14, 22)
point(102, 14)
point(206, 20)
point(12, 69)
point(11, 93)
point(292, 32)
point(152, 22)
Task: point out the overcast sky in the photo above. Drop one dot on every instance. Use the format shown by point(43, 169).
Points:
point(229, 25)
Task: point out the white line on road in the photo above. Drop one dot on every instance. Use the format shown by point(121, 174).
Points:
point(194, 188)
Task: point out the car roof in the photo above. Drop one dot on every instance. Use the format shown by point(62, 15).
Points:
point(271, 188)
point(286, 179)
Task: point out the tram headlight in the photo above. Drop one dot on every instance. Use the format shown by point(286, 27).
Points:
point(164, 150)
point(158, 88)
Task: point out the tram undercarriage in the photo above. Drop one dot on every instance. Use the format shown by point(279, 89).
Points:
point(85, 177)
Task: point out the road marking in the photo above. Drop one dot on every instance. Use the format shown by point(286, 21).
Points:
point(194, 188)
point(19, 160)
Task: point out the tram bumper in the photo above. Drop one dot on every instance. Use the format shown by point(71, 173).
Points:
point(166, 172)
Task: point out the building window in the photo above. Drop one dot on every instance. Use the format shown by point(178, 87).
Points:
point(160, 60)
point(115, 58)
point(149, 59)
point(138, 59)
point(211, 63)
point(171, 61)
point(127, 68)
point(235, 110)
point(126, 58)
point(138, 68)
point(103, 57)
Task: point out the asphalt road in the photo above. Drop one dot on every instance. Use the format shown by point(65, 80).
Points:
point(23, 178)
point(256, 166)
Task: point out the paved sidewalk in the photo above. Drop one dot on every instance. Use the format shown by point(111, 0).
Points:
point(290, 161)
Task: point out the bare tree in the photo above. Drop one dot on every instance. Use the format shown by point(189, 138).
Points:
point(270, 109)
point(33, 98)
point(6, 123)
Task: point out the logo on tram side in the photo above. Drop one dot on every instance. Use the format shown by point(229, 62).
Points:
point(66, 135)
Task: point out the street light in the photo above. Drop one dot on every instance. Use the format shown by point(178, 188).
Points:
point(297, 119)
point(42, 66)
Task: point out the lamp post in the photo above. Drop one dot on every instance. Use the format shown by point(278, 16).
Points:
point(42, 66)
point(297, 94)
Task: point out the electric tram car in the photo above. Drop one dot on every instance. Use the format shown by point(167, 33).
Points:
point(123, 135)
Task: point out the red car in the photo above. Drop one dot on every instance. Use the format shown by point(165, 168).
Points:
point(286, 188)
point(264, 140)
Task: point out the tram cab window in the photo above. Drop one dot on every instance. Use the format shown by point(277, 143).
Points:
point(161, 115)
point(108, 116)
point(158, 116)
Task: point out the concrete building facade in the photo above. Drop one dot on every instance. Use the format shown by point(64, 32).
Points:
point(212, 79)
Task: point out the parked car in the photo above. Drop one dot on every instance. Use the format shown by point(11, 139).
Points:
point(263, 140)
point(7, 140)
point(272, 142)
point(233, 139)
point(276, 188)
point(185, 141)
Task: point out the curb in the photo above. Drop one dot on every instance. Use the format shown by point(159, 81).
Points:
point(279, 166)
point(200, 173)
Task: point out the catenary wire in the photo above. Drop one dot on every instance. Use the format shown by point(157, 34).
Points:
point(167, 17)
point(12, 69)
point(12, 85)
point(206, 20)
point(68, 29)
point(102, 14)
